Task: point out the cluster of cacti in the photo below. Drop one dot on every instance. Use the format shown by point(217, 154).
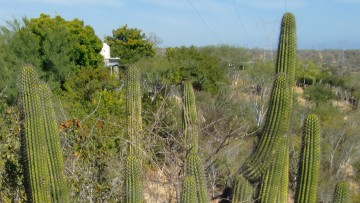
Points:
point(269, 162)
point(342, 194)
point(42, 157)
point(242, 191)
point(133, 176)
point(188, 194)
point(193, 165)
point(310, 161)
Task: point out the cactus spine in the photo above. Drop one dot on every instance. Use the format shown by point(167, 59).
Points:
point(188, 194)
point(133, 176)
point(194, 168)
point(33, 140)
point(134, 191)
point(243, 191)
point(310, 161)
point(341, 194)
point(190, 119)
point(59, 191)
point(133, 111)
point(274, 129)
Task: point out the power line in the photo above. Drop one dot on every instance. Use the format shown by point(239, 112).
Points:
point(241, 22)
point(204, 22)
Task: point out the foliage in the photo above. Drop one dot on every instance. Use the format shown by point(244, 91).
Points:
point(130, 44)
point(319, 94)
point(189, 63)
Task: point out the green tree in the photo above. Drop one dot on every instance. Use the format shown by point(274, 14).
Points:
point(130, 44)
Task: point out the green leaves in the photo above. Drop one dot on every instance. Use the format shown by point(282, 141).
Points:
point(130, 44)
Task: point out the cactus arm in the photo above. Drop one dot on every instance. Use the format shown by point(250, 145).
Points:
point(133, 111)
point(190, 119)
point(341, 194)
point(242, 192)
point(59, 191)
point(133, 182)
point(310, 161)
point(33, 140)
point(188, 194)
point(274, 128)
point(194, 168)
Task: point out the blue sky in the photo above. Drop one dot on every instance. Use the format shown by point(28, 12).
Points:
point(333, 24)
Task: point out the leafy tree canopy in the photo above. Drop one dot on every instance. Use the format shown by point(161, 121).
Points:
point(55, 46)
point(130, 44)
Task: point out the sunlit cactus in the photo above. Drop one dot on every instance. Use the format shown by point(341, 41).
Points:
point(310, 161)
point(243, 191)
point(190, 119)
point(188, 193)
point(274, 129)
point(272, 189)
point(195, 168)
point(342, 192)
point(33, 141)
point(59, 192)
point(133, 181)
point(133, 111)
point(286, 55)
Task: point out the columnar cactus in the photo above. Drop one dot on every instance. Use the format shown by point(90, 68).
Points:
point(133, 176)
point(133, 111)
point(59, 191)
point(243, 191)
point(286, 55)
point(188, 194)
point(272, 189)
point(33, 140)
point(310, 161)
point(190, 119)
point(274, 129)
point(341, 194)
point(194, 168)
point(133, 182)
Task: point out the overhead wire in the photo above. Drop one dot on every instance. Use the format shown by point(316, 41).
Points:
point(241, 22)
point(204, 22)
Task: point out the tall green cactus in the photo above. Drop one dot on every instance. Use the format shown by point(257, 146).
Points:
point(341, 194)
point(286, 55)
point(243, 191)
point(272, 188)
point(133, 111)
point(194, 168)
point(190, 119)
point(274, 129)
point(310, 161)
point(33, 140)
point(188, 193)
point(59, 190)
point(133, 181)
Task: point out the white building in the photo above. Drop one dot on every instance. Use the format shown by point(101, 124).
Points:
point(108, 60)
